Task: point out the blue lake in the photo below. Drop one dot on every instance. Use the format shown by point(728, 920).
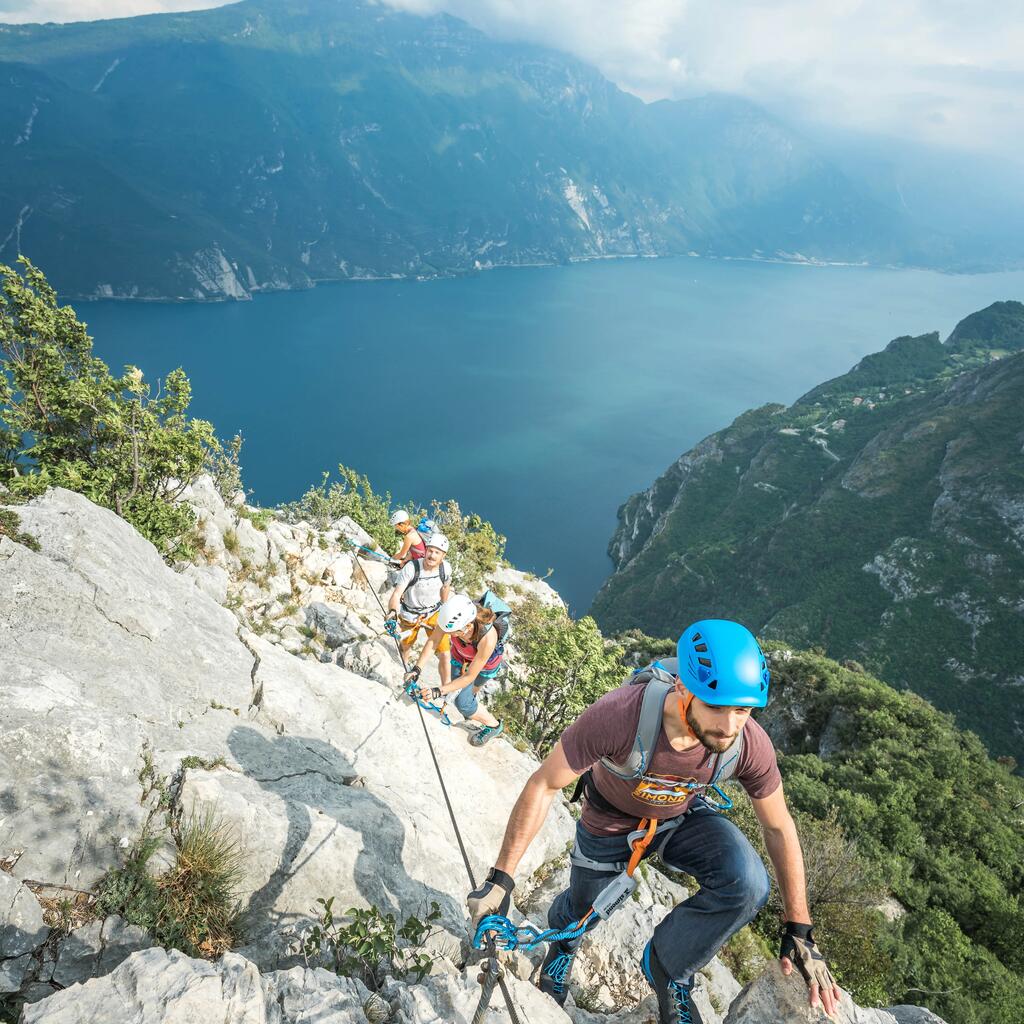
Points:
point(540, 398)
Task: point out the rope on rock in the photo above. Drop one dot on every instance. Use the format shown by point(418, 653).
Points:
point(492, 971)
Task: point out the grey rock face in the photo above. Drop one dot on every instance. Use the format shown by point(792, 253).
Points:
point(97, 949)
point(338, 625)
point(157, 986)
point(913, 1015)
point(22, 931)
point(775, 999)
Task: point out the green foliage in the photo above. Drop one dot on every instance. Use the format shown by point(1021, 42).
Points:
point(561, 667)
point(261, 518)
point(639, 649)
point(207, 764)
point(191, 906)
point(68, 422)
point(844, 892)
point(476, 547)
point(10, 526)
point(937, 821)
point(225, 469)
point(369, 945)
point(747, 954)
point(352, 495)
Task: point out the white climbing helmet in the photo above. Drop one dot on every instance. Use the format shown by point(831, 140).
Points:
point(401, 516)
point(437, 540)
point(456, 613)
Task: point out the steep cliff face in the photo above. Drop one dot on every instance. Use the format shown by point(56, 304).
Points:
point(266, 145)
point(881, 516)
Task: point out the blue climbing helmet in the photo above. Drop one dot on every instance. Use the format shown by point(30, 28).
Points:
point(721, 663)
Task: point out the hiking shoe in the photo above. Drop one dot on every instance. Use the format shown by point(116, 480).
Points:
point(554, 972)
point(674, 1002)
point(485, 733)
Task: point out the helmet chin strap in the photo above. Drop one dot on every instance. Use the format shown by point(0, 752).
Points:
point(683, 712)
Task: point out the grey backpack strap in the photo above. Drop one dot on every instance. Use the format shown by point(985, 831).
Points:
point(727, 762)
point(648, 730)
point(415, 572)
point(442, 571)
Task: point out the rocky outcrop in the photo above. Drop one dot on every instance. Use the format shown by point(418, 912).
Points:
point(112, 662)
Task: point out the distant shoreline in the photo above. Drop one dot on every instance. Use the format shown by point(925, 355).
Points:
point(796, 260)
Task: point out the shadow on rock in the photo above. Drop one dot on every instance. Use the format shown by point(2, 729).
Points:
point(313, 780)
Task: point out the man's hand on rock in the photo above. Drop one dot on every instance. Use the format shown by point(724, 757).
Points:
point(800, 950)
point(493, 896)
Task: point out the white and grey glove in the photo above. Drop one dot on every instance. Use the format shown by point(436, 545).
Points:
point(799, 947)
point(494, 896)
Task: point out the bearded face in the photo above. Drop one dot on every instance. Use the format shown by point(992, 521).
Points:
point(713, 731)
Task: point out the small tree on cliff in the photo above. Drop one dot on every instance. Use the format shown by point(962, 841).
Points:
point(66, 421)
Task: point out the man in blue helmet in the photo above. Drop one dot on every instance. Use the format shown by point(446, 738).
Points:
point(655, 752)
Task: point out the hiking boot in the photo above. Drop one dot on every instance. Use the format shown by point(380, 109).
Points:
point(555, 971)
point(485, 733)
point(674, 1003)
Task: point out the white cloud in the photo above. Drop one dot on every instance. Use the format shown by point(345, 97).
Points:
point(947, 72)
point(16, 12)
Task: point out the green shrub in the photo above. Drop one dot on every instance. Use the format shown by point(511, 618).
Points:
point(844, 892)
point(259, 517)
point(192, 906)
point(106, 437)
point(562, 666)
point(353, 496)
point(477, 548)
point(231, 541)
point(10, 526)
point(369, 945)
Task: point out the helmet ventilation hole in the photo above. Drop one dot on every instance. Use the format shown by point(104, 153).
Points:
point(713, 685)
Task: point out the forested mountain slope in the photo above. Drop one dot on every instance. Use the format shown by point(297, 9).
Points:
point(881, 516)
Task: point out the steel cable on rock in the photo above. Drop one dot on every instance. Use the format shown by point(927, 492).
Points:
point(493, 972)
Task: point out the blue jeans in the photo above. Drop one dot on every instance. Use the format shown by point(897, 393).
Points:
point(734, 886)
point(466, 699)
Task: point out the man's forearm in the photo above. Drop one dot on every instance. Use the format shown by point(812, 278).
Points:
point(784, 849)
point(524, 823)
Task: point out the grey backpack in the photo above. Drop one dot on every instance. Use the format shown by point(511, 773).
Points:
point(659, 679)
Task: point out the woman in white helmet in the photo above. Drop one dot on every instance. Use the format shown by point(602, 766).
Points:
point(412, 545)
point(476, 657)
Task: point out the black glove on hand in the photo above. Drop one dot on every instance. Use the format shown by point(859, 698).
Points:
point(798, 946)
point(494, 896)
point(413, 675)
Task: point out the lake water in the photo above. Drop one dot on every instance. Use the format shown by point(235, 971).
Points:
point(541, 398)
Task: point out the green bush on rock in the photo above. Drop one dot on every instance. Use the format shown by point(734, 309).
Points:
point(562, 666)
point(66, 421)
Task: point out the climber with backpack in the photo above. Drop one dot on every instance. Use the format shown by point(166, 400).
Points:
point(421, 588)
point(476, 632)
point(651, 757)
point(412, 545)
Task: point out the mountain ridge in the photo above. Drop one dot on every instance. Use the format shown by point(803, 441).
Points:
point(261, 146)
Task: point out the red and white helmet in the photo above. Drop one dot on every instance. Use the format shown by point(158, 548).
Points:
point(437, 540)
point(456, 613)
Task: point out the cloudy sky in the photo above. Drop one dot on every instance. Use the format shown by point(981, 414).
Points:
point(947, 72)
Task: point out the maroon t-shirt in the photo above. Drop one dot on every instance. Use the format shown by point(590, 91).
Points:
point(607, 729)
